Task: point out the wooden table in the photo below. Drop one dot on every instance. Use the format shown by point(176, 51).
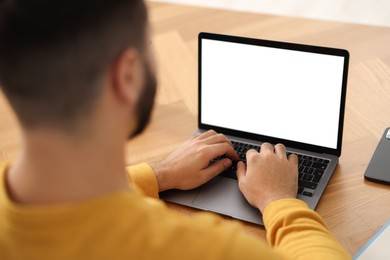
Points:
point(353, 208)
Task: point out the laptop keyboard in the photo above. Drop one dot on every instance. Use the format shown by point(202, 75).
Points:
point(310, 168)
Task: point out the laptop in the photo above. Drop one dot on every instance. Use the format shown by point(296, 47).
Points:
point(256, 91)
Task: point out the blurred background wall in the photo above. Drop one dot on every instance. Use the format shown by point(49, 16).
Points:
point(368, 12)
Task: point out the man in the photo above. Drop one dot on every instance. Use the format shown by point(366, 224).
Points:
point(80, 77)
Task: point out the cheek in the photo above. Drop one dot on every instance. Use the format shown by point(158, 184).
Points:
point(153, 63)
point(139, 85)
point(152, 59)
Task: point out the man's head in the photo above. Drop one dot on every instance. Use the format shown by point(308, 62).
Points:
point(54, 57)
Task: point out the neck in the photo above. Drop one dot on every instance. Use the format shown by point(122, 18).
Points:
point(56, 167)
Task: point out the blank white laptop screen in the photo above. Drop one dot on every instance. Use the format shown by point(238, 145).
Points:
point(285, 94)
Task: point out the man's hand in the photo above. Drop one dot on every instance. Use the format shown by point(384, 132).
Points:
point(188, 167)
point(269, 175)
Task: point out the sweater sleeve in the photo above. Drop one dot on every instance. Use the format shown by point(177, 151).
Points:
point(293, 230)
point(300, 232)
point(142, 175)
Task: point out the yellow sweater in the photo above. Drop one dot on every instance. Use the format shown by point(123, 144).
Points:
point(130, 225)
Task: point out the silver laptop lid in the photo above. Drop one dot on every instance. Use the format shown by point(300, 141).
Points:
point(273, 91)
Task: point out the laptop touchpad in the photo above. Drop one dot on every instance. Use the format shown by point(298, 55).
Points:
point(222, 195)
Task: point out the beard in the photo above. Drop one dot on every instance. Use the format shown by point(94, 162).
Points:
point(146, 101)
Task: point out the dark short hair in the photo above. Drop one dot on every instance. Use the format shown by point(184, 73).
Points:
point(54, 54)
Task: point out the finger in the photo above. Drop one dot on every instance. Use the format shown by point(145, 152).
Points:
point(266, 147)
point(217, 138)
point(250, 153)
point(216, 168)
point(222, 149)
point(280, 150)
point(293, 158)
point(207, 134)
point(241, 171)
point(195, 135)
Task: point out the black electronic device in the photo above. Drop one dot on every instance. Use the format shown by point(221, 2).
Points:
point(378, 169)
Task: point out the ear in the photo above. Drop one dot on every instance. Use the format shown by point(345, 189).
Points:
point(126, 76)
